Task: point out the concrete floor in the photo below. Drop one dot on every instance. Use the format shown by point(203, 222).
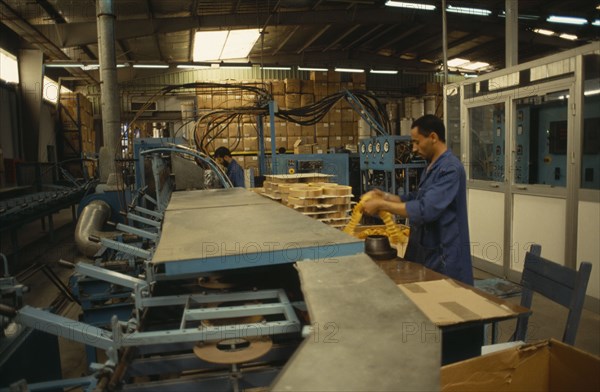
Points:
point(547, 321)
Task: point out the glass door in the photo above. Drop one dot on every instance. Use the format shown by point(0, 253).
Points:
point(541, 145)
point(486, 141)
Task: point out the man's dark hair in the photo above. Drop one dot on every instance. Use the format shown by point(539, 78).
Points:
point(430, 123)
point(222, 152)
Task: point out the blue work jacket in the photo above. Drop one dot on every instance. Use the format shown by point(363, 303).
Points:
point(437, 212)
point(235, 174)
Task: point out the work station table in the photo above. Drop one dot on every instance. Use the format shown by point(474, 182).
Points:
point(463, 336)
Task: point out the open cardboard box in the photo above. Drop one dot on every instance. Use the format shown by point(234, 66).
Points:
point(545, 366)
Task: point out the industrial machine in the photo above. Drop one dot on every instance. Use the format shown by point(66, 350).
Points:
point(334, 164)
point(386, 163)
point(181, 286)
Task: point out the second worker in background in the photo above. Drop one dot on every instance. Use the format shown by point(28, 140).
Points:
point(439, 228)
point(234, 170)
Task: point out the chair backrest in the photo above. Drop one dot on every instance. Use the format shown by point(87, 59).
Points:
point(558, 283)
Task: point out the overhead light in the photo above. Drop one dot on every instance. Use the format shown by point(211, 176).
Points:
point(63, 65)
point(596, 22)
point(416, 6)
point(591, 92)
point(543, 31)
point(194, 66)
point(469, 11)
point(570, 37)
point(277, 68)
point(150, 66)
point(520, 16)
point(224, 44)
point(466, 75)
point(385, 71)
point(356, 70)
point(475, 65)
point(312, 69)
point(457, 62)
point(566, 20)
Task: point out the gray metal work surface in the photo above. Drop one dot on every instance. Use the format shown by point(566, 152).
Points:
point(236, 236)
point(368, 336)
point(214, 198)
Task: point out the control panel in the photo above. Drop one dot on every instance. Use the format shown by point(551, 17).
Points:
point(383, 152)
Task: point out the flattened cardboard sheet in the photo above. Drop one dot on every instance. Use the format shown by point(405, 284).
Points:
point(445, 302)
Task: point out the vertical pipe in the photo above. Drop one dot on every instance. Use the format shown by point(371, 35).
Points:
point(111, 121)
point(445, 41)
point(512, 33)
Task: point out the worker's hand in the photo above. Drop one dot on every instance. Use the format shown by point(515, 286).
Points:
point(373, 206)
point(374, 194)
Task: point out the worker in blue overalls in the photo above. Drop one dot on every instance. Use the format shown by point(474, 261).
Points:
point(439, 229)
point(234, 170)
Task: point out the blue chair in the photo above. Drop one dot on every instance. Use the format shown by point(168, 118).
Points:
point(558, 283)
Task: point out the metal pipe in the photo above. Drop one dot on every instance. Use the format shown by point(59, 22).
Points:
point(90, 223)
point(445, 41)
point(111, 116)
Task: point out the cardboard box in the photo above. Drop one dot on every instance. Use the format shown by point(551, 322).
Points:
point(293, 130)
point(306, 99)
point(334, 77)
point(322, 129)
point(321, 89)
point(292, 101)
point(300, 148)
point(280, 101)
point(333, 88)
point(318, 76)
point(293, 86)
point(307, 87)
point(546, 366)
point(277, 87)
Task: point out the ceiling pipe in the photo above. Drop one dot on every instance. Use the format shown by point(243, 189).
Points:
point(111, 113)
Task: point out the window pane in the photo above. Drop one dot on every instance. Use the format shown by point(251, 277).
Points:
point(9, 68)
point(590, 151)
point(541, 139)
point(487, 142)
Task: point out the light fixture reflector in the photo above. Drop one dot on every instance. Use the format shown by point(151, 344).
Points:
point(469, 11)
point(355, 70)
point(416, 6)
point(566, 20)
point(385, 71)
point(313, 69)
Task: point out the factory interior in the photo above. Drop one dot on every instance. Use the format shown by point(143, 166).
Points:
point(279, 124)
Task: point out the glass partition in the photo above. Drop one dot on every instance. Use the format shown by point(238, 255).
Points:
point(486, 136)
point(541, 139)
point(590, 149)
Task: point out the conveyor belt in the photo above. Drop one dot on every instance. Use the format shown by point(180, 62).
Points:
point(207, 231)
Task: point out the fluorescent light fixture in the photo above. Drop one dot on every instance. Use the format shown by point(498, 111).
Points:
point(150, 66)
point(312, 69)
point(566, 20)
point(9, 67)
point(277, 68)
point(570, 37)
point(457, 62)
point(193, 66)
point(416, 6)
point(63, 65)
point(385, 71)
point(469, 11)
point(596, 22)
point(475, 66)
point(543, 31)
point(592, 92)
point(466, 75)
point(224, 44)
point(520, 16)
point(90, 67)
point(356, 70)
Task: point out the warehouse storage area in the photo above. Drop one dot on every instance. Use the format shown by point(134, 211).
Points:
point(299, 195)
